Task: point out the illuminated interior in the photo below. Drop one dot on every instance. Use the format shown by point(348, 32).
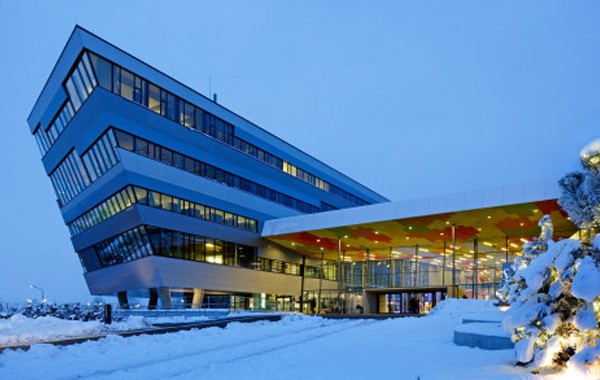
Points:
point(419, 251)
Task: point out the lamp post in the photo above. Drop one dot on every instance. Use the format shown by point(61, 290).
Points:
point(38, 288)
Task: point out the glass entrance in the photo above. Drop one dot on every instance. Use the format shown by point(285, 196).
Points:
point(413, 301)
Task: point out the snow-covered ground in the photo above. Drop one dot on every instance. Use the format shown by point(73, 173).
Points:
point(20, 330)
point(298, 347)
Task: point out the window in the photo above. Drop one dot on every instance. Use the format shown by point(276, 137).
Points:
point(127, 84)
point(140, 91)
point(160, 101)
point(101, 156)
point(69, 178)
point(154, 98)
point(103, 70)
point(187, 116)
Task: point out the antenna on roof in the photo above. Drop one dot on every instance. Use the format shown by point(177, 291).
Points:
point(214, 96)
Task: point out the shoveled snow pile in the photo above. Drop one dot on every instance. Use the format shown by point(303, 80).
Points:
point(19, 330)
point(459, 309)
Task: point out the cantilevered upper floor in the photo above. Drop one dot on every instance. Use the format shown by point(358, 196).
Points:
point(88, 63)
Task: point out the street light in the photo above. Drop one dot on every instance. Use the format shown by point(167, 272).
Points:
point(38, 288)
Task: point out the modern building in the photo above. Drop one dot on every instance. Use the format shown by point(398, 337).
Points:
point(167, 194)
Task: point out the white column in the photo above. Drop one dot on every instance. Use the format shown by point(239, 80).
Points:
point(198, 297)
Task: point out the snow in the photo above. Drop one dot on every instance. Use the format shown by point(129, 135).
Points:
point(297, 347)
point(20, 330)
point(586, 283)
point(591, 151)
point(524, 349)
point(586, 320)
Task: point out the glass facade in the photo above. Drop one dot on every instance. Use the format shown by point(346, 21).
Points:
point(79, 85)
point(131, 195)
point(130, 245)
point(137, 89)
point(73, 175)
point(156, 152)
point(101, 156)
point(69, 178)
point(143, 241)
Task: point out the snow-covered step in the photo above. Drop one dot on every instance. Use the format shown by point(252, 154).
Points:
point(486, 335)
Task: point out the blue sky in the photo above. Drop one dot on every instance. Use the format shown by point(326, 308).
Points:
point(410, 98)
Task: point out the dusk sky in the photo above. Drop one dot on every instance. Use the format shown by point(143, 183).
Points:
point(411, 99)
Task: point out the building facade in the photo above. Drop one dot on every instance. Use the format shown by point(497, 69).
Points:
point(165, 191)
point(169, 195)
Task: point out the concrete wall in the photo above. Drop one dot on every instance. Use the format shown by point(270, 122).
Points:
point(154, 271)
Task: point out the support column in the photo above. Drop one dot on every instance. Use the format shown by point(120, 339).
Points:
point(454, 293)
point(444, 265)
point(363, 273)
point(339, 276)
point(321, 274)
point(153, 298)
point(123, 302)
point(389, 268)
point(416, 265)
point(302, 270)
point(367, 275)
point(475, 262)
point(198, 298)
point(164, 294)
point(393, 268)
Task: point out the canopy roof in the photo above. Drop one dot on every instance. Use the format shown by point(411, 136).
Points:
point(397, 228)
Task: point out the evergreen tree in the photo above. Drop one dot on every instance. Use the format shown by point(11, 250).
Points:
point(554, 292)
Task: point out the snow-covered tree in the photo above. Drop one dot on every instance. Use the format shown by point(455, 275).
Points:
point(580, 192)
point(554, 292)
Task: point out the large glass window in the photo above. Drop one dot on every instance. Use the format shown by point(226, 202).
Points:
point(127, 82)
point(69, 178)
point(154, 98)
point(171, 106)
point(128, 142)
point(101, 156)
point(103, 70)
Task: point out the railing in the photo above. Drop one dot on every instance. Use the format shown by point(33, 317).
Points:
point(211, 308)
